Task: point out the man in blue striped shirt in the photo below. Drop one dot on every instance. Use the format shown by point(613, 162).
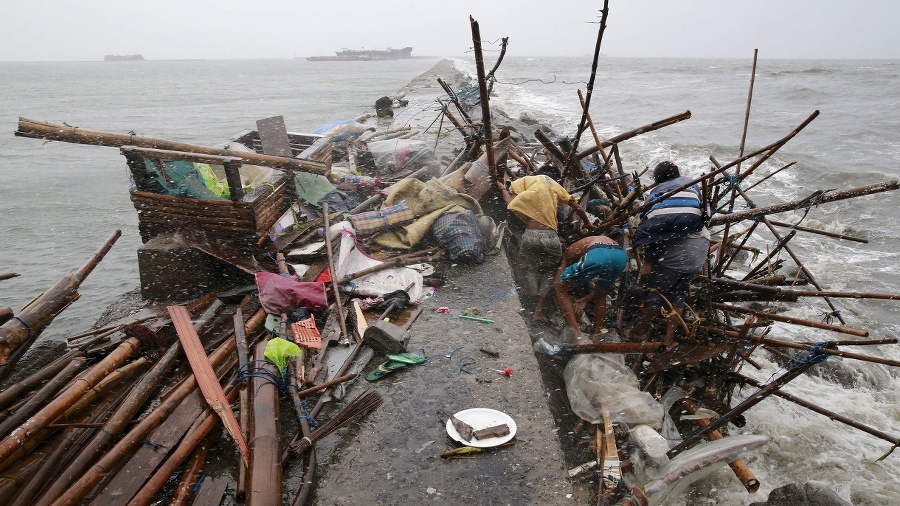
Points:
point(675, 239)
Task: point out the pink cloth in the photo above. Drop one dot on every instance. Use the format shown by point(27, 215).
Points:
point(280, 294)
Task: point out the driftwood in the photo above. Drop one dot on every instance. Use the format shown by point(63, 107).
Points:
point(31, 321)
point(42, 130)
point(487, 133)
point(814, 199)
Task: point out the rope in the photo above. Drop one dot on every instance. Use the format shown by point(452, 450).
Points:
point(490, 299)
point(466, 361)
point(261, 372)
point(829, 316)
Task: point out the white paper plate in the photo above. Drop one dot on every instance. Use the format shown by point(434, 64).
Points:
point(482, 418)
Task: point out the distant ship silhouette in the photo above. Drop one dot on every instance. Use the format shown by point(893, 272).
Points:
point(125, 57)
point(366, 55)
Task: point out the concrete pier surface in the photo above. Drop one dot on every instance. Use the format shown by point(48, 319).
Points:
point(394, 455)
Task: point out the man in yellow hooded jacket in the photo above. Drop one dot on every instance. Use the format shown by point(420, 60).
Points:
point(535, 200)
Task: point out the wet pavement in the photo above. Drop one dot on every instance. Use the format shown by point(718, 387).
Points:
point(393, 456)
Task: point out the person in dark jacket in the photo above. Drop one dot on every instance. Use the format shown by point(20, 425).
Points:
point(675, 243)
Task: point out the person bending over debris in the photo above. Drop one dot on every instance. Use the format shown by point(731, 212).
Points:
point(535, 199)
point(595, 258)
point(675, 239)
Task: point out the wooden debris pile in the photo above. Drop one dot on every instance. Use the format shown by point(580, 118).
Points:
point(112, 419)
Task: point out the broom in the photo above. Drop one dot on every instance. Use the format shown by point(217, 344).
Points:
point(369, 400)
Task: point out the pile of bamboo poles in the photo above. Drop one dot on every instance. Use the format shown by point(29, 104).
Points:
point(724, 332)
point(116, 416)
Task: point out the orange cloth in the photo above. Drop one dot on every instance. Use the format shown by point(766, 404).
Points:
point(536, 198)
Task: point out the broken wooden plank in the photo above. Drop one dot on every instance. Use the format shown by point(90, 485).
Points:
point(206, 377)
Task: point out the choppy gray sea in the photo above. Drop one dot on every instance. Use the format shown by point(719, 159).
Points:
point(59, 201)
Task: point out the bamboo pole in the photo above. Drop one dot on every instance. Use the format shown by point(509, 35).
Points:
point(740, 469)
point(264, 485)
point(726, 239)
point(720, 268)
point(118, 422)
point(765, 262)
point(118, 326)
point(571, 159)
point(49, 390)
point(656, 125)
point(748, 403)
point(31, 321)
point(327, 384)
point(194, 437)
point(503, 43)
point(819, 232)
point(183, 492)
point(776, 171)
point(797, 293)
point(487, 132)
point(599, 142)
point(415, 257)
point(647, 347)
point(15, 391)
point(333, 275)
point(110, 383)
point(80, 489)
point(814, 199)
point(24, 433)
point(788, 319)
point(827, 351)
point(243, 356)
point(42, 130)
point(207, 379)
point(455, 100)
point(803, 269)
point(822, 411)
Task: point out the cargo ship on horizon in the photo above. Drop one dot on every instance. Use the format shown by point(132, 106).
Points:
point(126, 57)
point(366, 55)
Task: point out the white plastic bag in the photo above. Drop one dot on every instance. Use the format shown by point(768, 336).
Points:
point(592, 379)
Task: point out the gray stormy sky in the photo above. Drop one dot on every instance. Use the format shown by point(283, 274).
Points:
point(64, 30)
